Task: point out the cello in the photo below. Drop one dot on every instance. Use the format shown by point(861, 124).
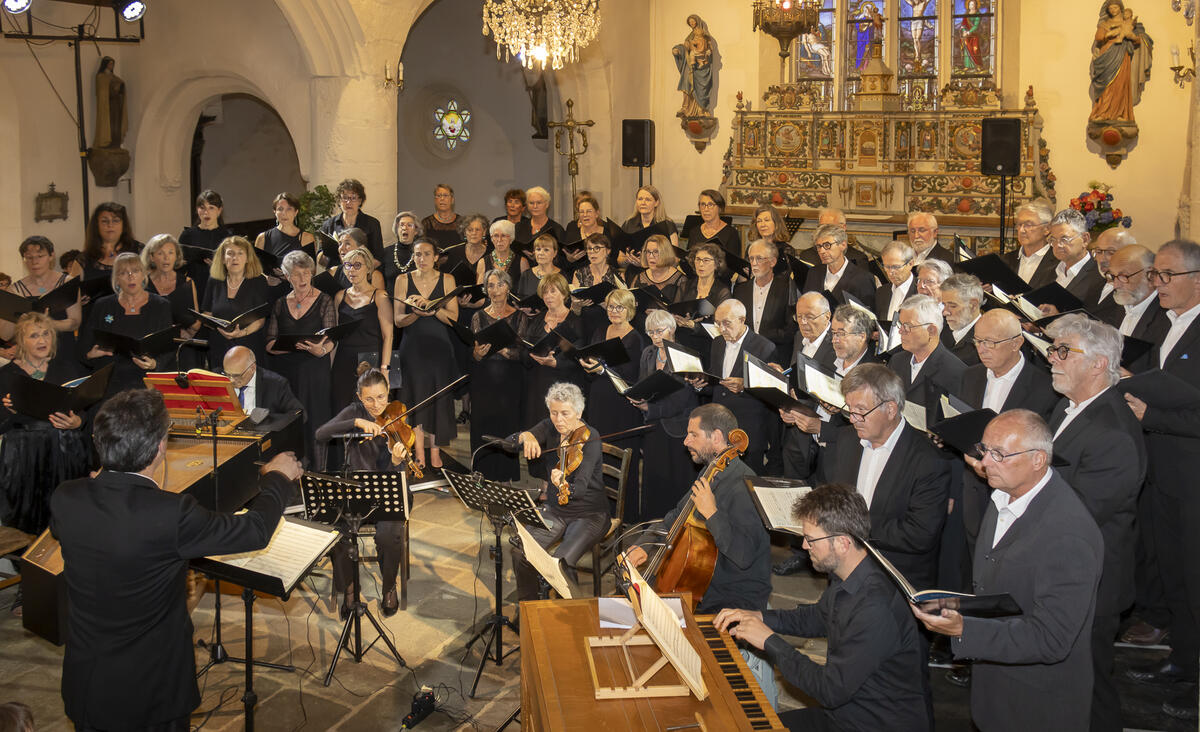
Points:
point(688, 557)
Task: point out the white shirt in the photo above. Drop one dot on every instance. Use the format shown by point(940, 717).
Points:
point(1009, 510)
point(963, 331)
point(1074, 409)
point(870, 467)
point(1063, 276)
point(810, 347)
point(249, 397)
point(1134, 313)
point(843, 368)
point(1027, 266)
point(914, 368)
point(1179, 325)
point(760, 303)
point(832, 278)
point(1104, 292)
point(998, 387)
point(731, 354)
point(899, 294)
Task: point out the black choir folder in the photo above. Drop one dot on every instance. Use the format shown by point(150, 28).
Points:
point(276, 569)
point(148, 345)
point(40, 399)
point(289, 342)
point(975, 606)
point(13, 306)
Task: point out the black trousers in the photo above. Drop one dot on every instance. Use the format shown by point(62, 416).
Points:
point(810, 719)
point(1106, 702)
point(575, 537)
point(389, 543)
point(182, 724)
point(1177, 543)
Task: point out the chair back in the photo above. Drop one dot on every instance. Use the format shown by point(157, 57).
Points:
point(616, 474)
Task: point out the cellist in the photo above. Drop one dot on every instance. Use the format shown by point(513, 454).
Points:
point(576, 509)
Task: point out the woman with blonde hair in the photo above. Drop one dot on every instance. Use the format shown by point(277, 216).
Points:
point(41, 277)
point(236, 285)
point(649, 210)
point(660, 272)
point(552, 367)
point(163, 259)
point(372, 340)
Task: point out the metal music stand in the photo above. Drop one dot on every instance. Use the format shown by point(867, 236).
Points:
point(498, 501)
point(364, 500)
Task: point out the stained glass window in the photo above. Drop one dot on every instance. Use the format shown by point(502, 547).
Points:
point(866, 21)
point(450, 126)
point(813, 53)
point(918, 64)
point(973, 54)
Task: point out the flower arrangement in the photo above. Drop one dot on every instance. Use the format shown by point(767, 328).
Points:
point(1097, 209)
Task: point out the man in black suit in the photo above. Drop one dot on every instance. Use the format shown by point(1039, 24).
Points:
point(923, 237)
point(258, 387)
point(829, 217)
point(728, 362)
point(962, 296)
point(1075, 271)
point(1039, 544)
point(1032, 261)
point(1104, 247)
point(836, 274)
point(899, 472)
point(897, 261)
point(768, 299)
point(129, 662)
point(1101, 442)
point(926, 368)
point(1173, 443)
point(1141, 316)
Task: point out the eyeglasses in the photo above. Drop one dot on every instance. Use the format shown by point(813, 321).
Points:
point(593, 250)
point(806, 318)
point(1062, 351)
point(1026, 226)
point(862, 416)
point(353, 266)
point(240, 374)
point(1164, 277)
point(658, 332)
point(983, 451)
point(843, 334)
point(930, 283)
point(704, 260)
point(810, 542)
point(1065, 241)
point(350, 199)
point(907, 328)
point(442, 195)
point(616, 308)
point(758, 259)
point(1124, 279)
point(1102, 252)
point(896, 267)
point(706, 204)
point(989, 344)
point(825, 246)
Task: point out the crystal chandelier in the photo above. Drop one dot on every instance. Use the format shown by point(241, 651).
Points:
point(543, 32)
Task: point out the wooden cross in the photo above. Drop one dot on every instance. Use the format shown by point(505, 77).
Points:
point(570, 124)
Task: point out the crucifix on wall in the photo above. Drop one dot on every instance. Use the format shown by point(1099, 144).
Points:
point(571, 126)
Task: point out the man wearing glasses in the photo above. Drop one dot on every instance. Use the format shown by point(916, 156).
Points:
point(1173, 443)
point(923, 360)
point(836, 274)
point(1030, 260)
point(1107, 244)
point(1105, 462)
point(872, 676)
point(257, 387)
point(1069, 240)
point(897, 261)
point(922, 235)
point(1040, 545)
point(1140, 314)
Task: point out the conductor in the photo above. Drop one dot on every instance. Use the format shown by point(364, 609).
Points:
point(129, 662)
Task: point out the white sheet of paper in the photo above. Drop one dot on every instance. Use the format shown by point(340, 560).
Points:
point(757, 376)
point(1041, 344)
point(712, 330)
point(915, 414)
point(1031, 311)
point(948, 410)
point(292, 549)
point(777, 504)
point(616, 612)
point(683, 362)
point(824, 387)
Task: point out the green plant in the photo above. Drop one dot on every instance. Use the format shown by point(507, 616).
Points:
point(315, 206)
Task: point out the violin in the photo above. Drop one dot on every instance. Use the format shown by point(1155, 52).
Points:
point(570, 456)
point(397, 430)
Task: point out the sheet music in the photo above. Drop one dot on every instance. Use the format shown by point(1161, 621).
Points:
point(757, 376)
point(915, 415)
point(617, 612)
point(711, 329)
point(948, 410)
point(824, 387)
point(683, 362)
point(621, 385)
point(777, 505)
point(546, 565)
point(661, 624)
point(1041, 344)
point(292, 550)
point(1031, 311)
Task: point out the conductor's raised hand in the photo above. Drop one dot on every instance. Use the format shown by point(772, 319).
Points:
point(529, 446)
point(285, 463)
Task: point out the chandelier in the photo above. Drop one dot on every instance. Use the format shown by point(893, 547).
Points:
point(542, 32)
point(786, 20)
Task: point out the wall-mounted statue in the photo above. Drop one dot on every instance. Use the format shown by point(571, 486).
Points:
point(1120, 68)
point(696, 58)
point(107, 160)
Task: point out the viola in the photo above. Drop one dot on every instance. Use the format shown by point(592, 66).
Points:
point(398, 431)
point(570, 456)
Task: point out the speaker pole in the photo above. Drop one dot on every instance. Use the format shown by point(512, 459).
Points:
point(1003, 186)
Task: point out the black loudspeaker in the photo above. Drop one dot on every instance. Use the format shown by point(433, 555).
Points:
point(637, 142)
point(1000, 153)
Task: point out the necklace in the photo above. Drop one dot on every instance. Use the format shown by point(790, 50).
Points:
point(502, 264)
point(132, 307)
point(402, 268)
point(37, 372)
point(298, 305)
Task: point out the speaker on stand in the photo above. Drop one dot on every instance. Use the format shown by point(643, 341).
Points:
point(637, 144)
point(1000, 154)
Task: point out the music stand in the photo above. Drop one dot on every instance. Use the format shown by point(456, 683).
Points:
point(367, 499)
point(498, 501)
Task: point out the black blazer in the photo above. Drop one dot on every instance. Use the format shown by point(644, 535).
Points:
point(965, 349)
point(883, 298)
point(273, 393)
point(1087, 283)
point(778, 323)
point(1107, 310)
point(1173, 435)
point(129, 659)
point(1107, 463)
point(825, 354)
point(942, 372)
point(334, 225)
point(1031, 390)
point(909, 505)
point(856, 281)
point(1153, 325)
point(1043, 275)
point(751, 412)
point(939, 252)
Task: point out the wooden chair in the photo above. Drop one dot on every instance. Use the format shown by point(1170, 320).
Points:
point(616, 478)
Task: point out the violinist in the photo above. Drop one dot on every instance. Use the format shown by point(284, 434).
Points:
point(576, 509)
point(371, 454)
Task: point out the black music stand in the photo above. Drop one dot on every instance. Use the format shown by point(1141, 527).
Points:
point(356, 502)
point(498, 501)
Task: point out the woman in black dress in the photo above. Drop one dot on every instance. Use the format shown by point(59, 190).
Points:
point(667, 469)
point(370, 399)
point(537, 201)
point(545, 251)
point(660, 273)
point(610, 412)
point(130, 311)
point(502, 257)
point(371, 341)
point(397, 258)
point(235, 285)
point(598, 269)
point(208, 233)
point(443, 224)
point(712, 227)
point(427, 362)
point(351, 196)
point(286, 236)
point(514, 206)
point(304, 311)
point(164, 263)
point(41, 276)
point(587, 222)
point(707, 260)
point(349, 240)
point(36, 455)
point(108, 234)
point(649, 210)
point(497, 381)
point(549, 369)
point(460, 260)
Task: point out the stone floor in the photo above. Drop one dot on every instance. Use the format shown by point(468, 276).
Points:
point(450, 589)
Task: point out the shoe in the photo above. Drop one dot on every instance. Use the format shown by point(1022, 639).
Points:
point(347, 603)
point(464, 416)
point(1185, 706)
point(1142, 633)
point(940, 655)
point(960, 675)
point(1163, 672)
point(793, 564)
point(390, 604)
